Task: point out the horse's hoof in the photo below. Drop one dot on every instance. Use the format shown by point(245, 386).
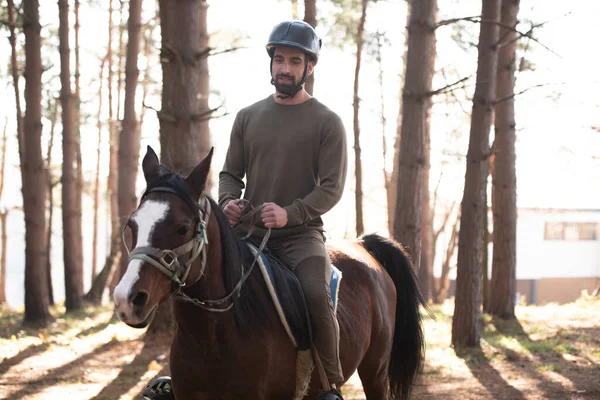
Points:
point(159, 389)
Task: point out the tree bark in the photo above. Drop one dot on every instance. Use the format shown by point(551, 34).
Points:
point(71, 229)
point(504, 178)
point(441, 293)
point(77, 144)
point(113, 176)
point(310, 17)
point(358, 195)
point(425, 273)
point(97, 177)
point(392, 187)
point(466, 323)
point(416, 99)
point(32, 170)
point(50, 187)
point(129, 141)
point(184, 129)
point(3, 214)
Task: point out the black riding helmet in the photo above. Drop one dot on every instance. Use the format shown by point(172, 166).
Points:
point(297, 34)
point(159, 389)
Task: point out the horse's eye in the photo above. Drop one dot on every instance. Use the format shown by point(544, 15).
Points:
point(183, 230)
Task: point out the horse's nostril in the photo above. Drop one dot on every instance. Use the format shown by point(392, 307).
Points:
point(139, 299)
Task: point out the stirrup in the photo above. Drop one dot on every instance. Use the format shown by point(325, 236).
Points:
point(333, 394)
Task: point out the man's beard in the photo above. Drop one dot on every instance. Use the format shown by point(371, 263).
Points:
point(285, 88)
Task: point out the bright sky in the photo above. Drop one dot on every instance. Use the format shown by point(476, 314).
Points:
point(558, 152)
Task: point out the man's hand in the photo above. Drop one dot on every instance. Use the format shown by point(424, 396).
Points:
point(273, 216)
point(233, 210)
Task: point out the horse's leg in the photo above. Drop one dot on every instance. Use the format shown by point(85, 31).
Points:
point(373, 372)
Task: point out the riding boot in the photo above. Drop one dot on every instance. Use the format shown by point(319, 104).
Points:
point(333, 394)
point(159, 389)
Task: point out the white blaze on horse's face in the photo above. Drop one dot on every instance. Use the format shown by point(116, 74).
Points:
point(146, 217)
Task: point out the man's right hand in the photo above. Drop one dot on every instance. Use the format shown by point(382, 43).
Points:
point(233, 210)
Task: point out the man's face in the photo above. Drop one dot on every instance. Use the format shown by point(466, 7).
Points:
point(288, 68)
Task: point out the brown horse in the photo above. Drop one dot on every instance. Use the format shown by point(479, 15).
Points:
point(233, 346)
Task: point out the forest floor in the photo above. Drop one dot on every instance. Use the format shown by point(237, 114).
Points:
point(550, 352)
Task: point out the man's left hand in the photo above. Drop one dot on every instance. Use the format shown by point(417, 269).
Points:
point(273, 216)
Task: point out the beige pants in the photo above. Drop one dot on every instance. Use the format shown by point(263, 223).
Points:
point(307, 255)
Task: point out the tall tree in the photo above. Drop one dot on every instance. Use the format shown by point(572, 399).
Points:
point(71, 229)
point(504, 178)
point(310, 17)
point(51, 184)
point(77, 142)
point(99, 283)
point(358, 195)
point(97, 177)
point(113, 179)
point(466, 323)
point(416, 99)
point(184, 115)
point(32, 168)
point(392, 183)
point(3, 215)
point(129, 141)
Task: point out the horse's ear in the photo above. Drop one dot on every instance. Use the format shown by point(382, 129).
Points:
point(150, 165)
point(197, 179)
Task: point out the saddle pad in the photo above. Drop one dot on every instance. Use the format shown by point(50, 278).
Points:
point(290, 306)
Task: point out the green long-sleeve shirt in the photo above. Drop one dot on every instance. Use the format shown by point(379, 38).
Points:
point(292, 155)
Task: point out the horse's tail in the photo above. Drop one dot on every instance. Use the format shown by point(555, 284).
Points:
point(408, 348)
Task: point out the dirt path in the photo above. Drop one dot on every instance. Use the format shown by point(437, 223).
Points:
point(550, 353)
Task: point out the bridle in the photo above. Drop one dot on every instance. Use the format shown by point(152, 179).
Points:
point(167, 260)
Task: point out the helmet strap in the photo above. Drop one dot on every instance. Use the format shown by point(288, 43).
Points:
point(298, 86)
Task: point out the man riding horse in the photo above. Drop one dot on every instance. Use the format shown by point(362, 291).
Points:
point(292, 151)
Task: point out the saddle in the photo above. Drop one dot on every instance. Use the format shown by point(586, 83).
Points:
point(288, 296)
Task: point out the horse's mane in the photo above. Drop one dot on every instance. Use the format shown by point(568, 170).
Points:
point(236, 255)
point(249, 312)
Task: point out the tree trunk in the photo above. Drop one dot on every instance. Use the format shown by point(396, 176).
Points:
point(129, 141)
point(71, 230)
point(184, 129)
point(358, 195)
point(3, 239)
point(466, 323)
point(77, 144)
point(416, 99)
point(383, 120)
point(94, 296)
point(310, 17)
point(425, 273)
point(427, 242)
point(392, 187)
point(97, 177)
point(32, 170)
point(50, 187)
point(3, 214)
point(441, 293)
point(485, 273)
point(504, 179)
point(121, 57)
point(113, 173)
point(294, 9)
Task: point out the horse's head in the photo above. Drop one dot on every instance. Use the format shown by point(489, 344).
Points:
point(168, 235)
